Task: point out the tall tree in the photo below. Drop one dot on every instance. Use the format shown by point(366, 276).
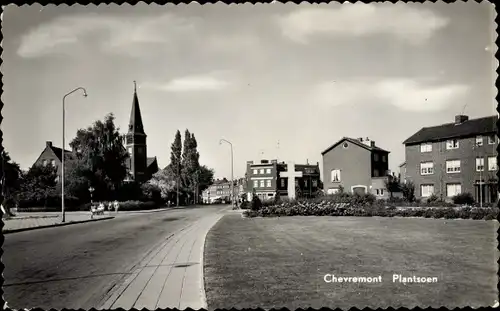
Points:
point(176, 154)
point(100, 156)
point(38, 184)
point(175, 166)
point(187, 162)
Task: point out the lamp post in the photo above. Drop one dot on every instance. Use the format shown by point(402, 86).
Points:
point(63, 144)
point(232, 180)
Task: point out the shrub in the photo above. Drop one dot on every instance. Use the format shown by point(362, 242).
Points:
point(256, 203)
point(463, 199)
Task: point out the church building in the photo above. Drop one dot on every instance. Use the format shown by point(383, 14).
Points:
point(140, 167)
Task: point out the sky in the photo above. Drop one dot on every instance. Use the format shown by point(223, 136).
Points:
point(277, 80)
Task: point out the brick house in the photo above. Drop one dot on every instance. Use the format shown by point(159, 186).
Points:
point(52, 155)
point(358, 165)
point(265, 178)
point(453, 158)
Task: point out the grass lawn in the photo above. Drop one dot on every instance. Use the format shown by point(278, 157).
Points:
point(281, 262)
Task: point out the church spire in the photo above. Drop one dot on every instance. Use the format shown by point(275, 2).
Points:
point(135, 125)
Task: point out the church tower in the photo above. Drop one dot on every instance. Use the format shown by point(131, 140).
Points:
point(136, 142)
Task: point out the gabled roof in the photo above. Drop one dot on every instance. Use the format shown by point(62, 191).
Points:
point(356, 142)
point(58, 152)
point(472, 127)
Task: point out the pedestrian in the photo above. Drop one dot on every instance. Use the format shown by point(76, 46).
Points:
point(116, 205)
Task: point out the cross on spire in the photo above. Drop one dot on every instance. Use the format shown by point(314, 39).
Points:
point(135, 86)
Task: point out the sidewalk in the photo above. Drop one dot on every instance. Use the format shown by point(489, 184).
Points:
point(22, 222)
point(171, 276)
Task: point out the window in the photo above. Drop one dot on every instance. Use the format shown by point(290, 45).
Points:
point(262, 184)
point(305, 183)
point(268, 171)
point(44, 162)
point(129, 150)
point(375, 157)
point(453, 166)
point(53, 162)
point(492, 164)
point(378, 191)
point(479, 140)
point(255, 183)
point(315, 183)
point(268, 183)
point(58, 179)
point(426, 168)
point(335, 175)
point(453, 189)
point(345, 145)
point(384, 159)
point(261, 171)
point(452, 144)
point(492, 139)
point(426, 147)
point(255, 172)
point(479, 164)
point(426, 190)
point(381, 191)
point(375, 173)
point(282, 181)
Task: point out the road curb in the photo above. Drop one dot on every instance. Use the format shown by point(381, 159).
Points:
point(56, 225)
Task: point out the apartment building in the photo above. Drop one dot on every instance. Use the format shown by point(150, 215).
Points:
point(453, 158)
point(358, 165)
point(266, 180)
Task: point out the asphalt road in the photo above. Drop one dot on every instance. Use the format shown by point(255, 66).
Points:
point(75, 266)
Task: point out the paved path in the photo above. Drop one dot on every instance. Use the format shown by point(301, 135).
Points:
point(171, 276)
point(86, 265)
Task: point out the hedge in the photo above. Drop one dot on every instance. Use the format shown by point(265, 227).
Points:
point(124, 206)
point(325, 208)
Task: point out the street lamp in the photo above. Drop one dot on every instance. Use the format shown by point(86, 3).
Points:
point(63, 144)
point(232, 180)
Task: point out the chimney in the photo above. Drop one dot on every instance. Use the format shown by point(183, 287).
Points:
point(48, 144)
point(460, 119)
point(249, 162)
point(274, 161)
point(360, 139)
point(307, 161)
point(372, 144)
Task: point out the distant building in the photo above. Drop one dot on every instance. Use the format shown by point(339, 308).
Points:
point(52, 155)
point(358, 165)
point(453, 158)
point(265, 179)
point(221, 189)
point(140, 167)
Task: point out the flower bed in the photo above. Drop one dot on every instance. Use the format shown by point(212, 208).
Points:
point(332, 208)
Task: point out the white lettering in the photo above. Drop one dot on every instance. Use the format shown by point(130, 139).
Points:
point(413, 279)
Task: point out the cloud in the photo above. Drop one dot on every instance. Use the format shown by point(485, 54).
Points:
point(405, 94)
point(400, 20)
point(110, 32)
point(192, 83)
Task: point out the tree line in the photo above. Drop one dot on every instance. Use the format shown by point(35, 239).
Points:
point(99, 160)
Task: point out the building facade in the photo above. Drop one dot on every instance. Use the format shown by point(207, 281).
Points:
point(356, 165)
point(265, 179)
point(454, 158)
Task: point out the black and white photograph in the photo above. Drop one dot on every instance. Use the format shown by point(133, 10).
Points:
point(272, 155)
